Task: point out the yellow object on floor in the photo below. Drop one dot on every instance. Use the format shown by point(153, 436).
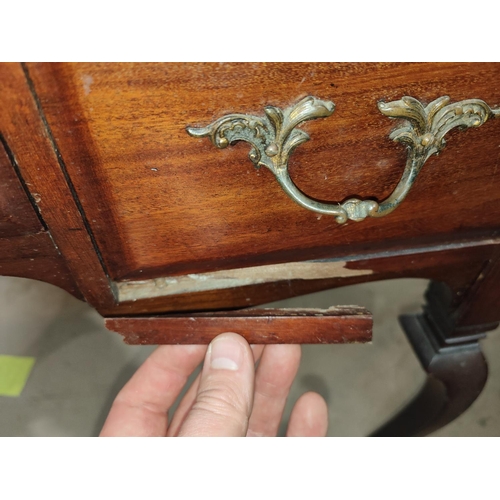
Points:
point(14, 372)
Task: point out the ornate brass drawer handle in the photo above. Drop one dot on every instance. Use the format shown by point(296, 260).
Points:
point(274, 137)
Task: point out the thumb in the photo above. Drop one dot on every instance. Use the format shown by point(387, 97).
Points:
point(225, 395)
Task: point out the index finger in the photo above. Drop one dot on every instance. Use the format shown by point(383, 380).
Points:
point(141, 407)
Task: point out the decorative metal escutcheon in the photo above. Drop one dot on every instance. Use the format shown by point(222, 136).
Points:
point(274, 137)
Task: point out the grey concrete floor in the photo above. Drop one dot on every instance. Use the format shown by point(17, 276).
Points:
point(80, 366)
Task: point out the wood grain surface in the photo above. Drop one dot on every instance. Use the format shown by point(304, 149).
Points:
point(481, 305)
point(160, 202)
point(34, 256)
point(29, 140)
point(17, 215)
point(335, 325)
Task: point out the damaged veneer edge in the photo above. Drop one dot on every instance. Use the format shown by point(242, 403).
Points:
point(130, 291)
point(233, 278)
point(343, 324)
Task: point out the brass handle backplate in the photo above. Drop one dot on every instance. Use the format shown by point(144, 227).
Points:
point(274, 137)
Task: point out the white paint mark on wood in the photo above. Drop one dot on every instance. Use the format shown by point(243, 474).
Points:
point(87, 81)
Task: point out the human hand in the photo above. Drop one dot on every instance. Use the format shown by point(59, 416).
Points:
point(228, 398)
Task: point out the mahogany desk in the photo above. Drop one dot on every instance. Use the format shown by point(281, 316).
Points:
point(133, 187)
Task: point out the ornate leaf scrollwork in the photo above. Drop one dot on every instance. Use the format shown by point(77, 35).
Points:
point(424, 134)
point(432, 123)
point(274, 137)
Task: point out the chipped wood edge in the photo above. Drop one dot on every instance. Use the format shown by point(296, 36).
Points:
point(233, 278)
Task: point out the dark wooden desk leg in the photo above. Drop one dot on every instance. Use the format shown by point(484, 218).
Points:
point(445, 338)
point(456, 377)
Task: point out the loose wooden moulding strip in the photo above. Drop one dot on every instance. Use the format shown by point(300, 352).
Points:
point(336, 325)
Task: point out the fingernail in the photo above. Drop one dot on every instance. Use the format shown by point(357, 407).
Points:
point(226, 353)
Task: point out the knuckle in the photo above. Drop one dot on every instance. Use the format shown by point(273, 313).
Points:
point(222, 403)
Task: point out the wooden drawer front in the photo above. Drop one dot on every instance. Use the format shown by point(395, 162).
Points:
point(17, 216)
point(160, 202)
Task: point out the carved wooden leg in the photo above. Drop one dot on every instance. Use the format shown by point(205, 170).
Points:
point(456, 377)
point(445, 338)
